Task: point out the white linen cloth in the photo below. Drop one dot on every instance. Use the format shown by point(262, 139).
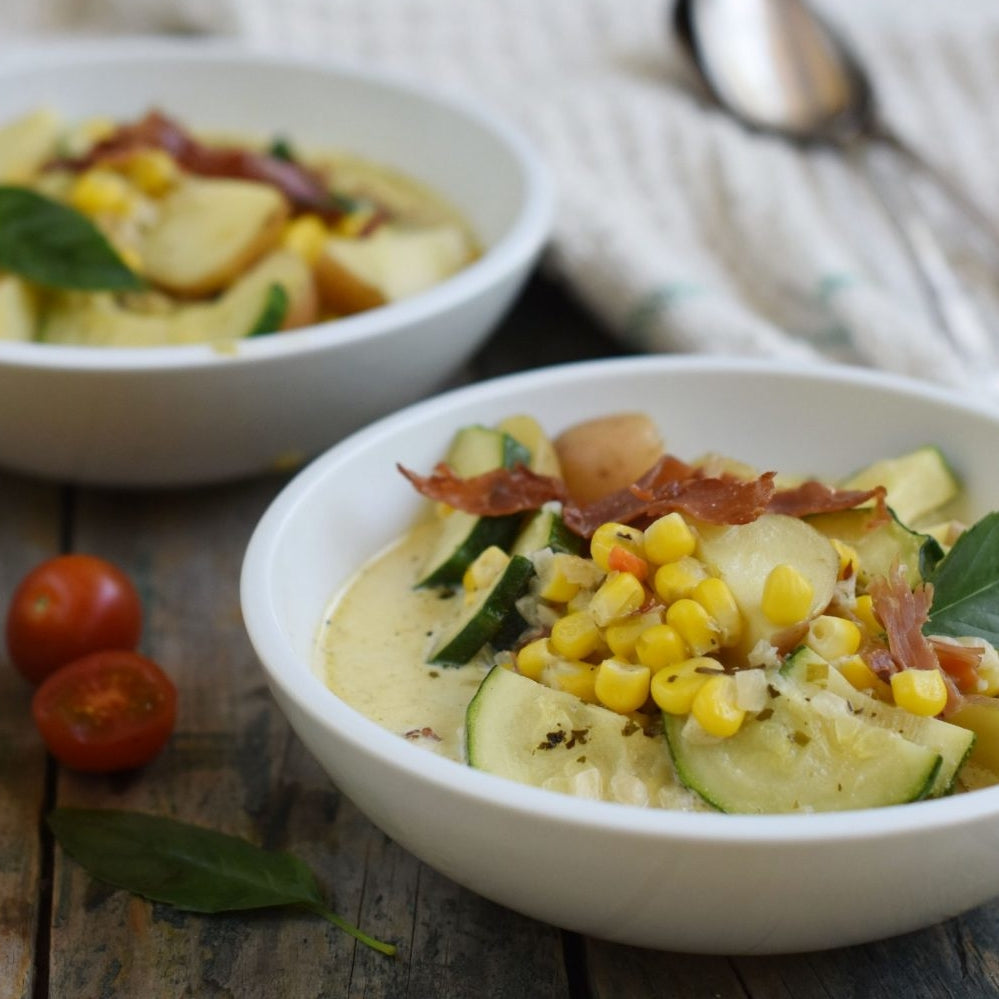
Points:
point(679, 228)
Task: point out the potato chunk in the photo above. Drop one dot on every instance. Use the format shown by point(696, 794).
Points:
point(209, 231)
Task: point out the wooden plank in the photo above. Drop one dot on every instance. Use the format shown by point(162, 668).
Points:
point(29, 533)
point(234, 765)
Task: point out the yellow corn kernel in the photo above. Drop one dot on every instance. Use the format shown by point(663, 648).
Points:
point(622, 687)
point(832, 637)
point(863, 678)
point(919, 691)
point(354, 223)
point(715, 708)
point(695, 626)
point(864, 611)
point(619, 595)
point(714, 595)
point(534, 657)
point(611, 534)
point(660, 646)
point(102, 192)
point(485, 569)
point(849, 560)
point(676, 579)
point(669, 538)
point(152, 171)
point(787, 595)
point(674, 688)
point(575, 636)
point(306, 236)
point(556, 581)
point(577, 678)
point(622, 635)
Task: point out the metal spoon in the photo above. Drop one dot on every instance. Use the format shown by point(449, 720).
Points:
point(777, 67)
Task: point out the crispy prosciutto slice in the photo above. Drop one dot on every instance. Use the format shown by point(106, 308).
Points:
point(496, 493)
point(816, 497)
point(305, 189)
point(903, 612)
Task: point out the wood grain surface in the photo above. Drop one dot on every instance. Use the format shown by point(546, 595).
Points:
point(233, 765)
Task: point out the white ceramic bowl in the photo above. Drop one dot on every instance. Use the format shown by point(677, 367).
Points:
point(701, 882)
point(190, 414)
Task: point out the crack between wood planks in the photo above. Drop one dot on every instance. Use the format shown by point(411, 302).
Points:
point(43, 928)
point(574, 959)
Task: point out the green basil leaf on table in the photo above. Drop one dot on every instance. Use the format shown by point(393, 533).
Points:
point(966, 585)
point(272, 314)
point(190, 867)
point(56, 246)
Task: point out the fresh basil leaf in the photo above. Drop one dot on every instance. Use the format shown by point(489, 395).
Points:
point(966, 585)
point(188, 866)
point(56, 246)
point(272, 314)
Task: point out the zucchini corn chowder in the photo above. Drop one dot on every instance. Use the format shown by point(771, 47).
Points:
point(141, 233)
point(596, 616)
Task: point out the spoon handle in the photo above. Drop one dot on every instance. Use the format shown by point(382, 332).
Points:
point(949, 298)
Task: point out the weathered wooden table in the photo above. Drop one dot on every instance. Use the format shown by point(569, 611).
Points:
point(234, 765)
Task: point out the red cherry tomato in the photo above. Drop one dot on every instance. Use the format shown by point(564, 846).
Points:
point(111, 710)
point(67, 607)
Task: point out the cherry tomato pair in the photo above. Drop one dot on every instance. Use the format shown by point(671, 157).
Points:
point(72, 628)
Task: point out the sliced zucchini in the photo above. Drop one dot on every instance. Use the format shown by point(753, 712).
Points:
point(478, 623)
point(982, 719)
point(546, 529)
point(802, 753)
point(917, 483)
point(879, 546)
point(744, 555)
point(953, 743)
point(528, 431)
point(464, 536)
point(530, 733)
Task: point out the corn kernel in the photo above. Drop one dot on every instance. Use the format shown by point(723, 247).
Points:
point(849, 560)
point(695, 626)
point(556, 581)
point(610, 535)
point(354, 224)
point(619, 595)
point(621, 686)
point(669, 538)
point(715, 707)
point(101, 192)
point(674, 688)
point(787, 595)
point(485, 569)
point(660, 646)
point(622, 635)
point(714, 595)
point(864, 611)
point(919, 691)
point(832, 637)
point(575, 636)
point(534, 657)
point(305, 236)
point(152, 171)
point(863, 678)
point(576, 678)
point(676, 579)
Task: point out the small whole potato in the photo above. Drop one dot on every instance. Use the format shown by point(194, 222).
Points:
point(607, 453)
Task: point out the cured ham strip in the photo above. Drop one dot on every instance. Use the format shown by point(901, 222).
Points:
point(903, 612)
point(816, 497)
point(494, 494)
point(305, 189)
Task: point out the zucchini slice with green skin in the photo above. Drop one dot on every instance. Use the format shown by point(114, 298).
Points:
point(478, 623)
point(546, 529)
point(917, 483)
point(804, 752)
point(879, 546)
point(520, 729)
point(464, 536)
point(953, 743)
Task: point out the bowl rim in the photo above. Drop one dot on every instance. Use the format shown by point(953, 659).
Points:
point(524, 237)
point(300, 683)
